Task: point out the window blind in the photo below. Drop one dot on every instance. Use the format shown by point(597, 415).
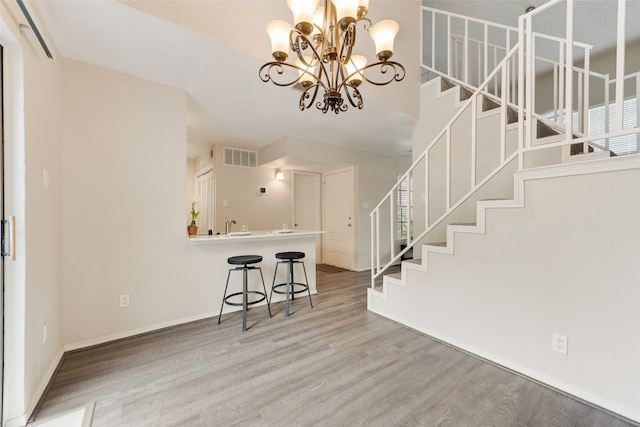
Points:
point(404, 207)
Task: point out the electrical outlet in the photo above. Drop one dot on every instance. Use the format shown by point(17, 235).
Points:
point(124, 301)
point(559, 343)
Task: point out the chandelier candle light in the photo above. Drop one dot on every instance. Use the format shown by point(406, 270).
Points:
point(323, 38)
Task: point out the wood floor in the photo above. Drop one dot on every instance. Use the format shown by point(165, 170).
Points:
point(332, 365)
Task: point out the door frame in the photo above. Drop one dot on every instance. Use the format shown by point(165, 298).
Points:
point(320, 220)
point(354, 222)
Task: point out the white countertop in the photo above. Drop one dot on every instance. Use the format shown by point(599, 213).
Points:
point(238, 237)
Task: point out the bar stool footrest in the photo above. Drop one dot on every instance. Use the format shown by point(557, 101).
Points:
point(302, 288)
point(240, 304)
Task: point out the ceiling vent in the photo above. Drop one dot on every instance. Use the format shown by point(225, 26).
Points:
point(241, 158)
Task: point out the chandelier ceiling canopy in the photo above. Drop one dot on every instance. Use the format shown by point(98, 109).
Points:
point(323, 39)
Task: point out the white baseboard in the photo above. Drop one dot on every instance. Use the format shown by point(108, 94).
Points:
point(134, 332)
point(23, 419)
point(128, 334)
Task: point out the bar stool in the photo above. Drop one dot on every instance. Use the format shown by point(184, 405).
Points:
point(290, 258)
point(243, 262)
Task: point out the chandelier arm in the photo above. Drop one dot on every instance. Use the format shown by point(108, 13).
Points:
point(384, 68)
point(366, 23)
point(356, 94)
point(348, 40)
point(307, 94)
point(271, 70)
point(298, 47)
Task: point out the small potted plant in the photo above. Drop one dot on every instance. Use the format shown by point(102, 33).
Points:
point(193, 228)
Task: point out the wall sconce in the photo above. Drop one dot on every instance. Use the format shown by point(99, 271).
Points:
point(279, 175)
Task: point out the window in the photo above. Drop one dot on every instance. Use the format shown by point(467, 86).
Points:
point(404, 208)
point(627, 144)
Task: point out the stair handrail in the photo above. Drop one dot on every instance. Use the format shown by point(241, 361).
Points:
point(524, 86)
point(566, 93)
point(510, 38)
point(376, 268)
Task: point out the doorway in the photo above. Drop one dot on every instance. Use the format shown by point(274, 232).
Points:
point(339, 220)
point(307, 205)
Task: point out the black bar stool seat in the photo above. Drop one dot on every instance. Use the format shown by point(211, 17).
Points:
point(244, 264)
point(291, 287)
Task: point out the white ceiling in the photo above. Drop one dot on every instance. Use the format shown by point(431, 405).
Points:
point(213, 49)
point(227, 101)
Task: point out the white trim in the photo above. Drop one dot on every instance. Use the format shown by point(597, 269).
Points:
point(205, 170)
point(133, 332)
point(520, 177)
point(23, 419)
point(533, 375)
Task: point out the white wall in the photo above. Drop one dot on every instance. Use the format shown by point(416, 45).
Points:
point(375, 174)
point(124, 178)
point(565, 263)
point(238, 186)
point(124, 225)
point(33, 283)
point(403, 97)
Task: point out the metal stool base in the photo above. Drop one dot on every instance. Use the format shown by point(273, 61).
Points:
point(245, 293)
point(290, 285)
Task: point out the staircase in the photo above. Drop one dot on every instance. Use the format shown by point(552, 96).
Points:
point(515, 224)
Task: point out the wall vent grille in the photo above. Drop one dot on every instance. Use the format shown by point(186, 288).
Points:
point(241, 158)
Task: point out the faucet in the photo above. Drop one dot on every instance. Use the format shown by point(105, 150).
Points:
point(227, 224)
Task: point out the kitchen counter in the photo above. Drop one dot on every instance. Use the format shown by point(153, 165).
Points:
point(215, 250)
point(252, 236)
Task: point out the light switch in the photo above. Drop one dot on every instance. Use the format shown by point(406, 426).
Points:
point(225, 204)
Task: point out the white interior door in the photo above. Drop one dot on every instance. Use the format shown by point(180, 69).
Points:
point(339, 222)
point(307, 205)
point(206, 196)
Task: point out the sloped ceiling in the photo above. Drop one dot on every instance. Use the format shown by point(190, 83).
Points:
point(213, 50)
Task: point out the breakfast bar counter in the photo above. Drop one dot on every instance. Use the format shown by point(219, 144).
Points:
point(216, 249)
point(254, 236)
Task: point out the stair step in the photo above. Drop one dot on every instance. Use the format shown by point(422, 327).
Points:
point(546, 130)
point(467, 224)
point(396, 276)
point(465, 93)
point(439, 244)
point(489, 104)
point(588, 156)
point(543, 130)
point(446, 84)
point(512, 115)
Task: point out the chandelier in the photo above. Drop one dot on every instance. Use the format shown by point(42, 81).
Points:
point(323, 39)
